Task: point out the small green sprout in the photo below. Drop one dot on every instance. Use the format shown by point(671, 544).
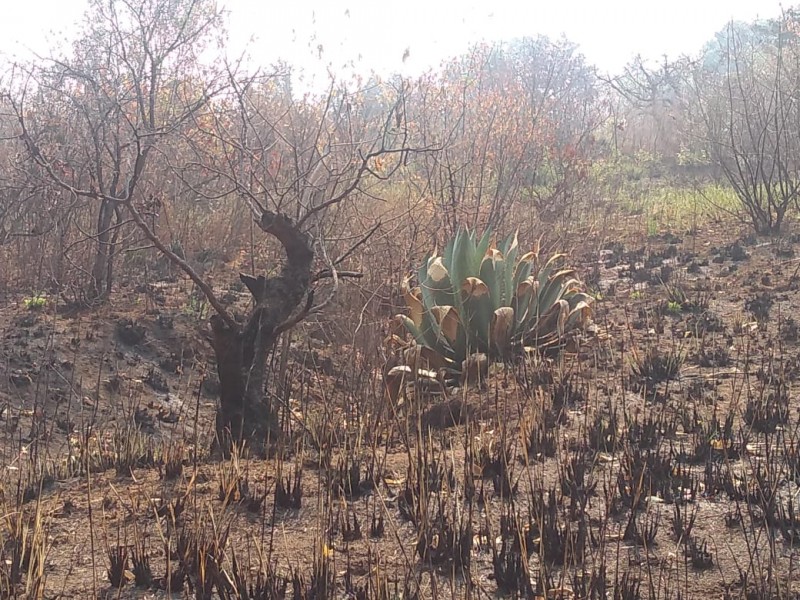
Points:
point(35, 302)
point(674, 307)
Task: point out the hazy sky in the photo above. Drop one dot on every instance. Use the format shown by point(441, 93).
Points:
point(375, 34)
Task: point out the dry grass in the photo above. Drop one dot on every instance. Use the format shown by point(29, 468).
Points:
point(657, 458)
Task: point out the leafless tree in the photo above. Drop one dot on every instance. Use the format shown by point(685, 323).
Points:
point(748, 91)
point(91, 120)
point(135, 101)
point(297, 167)
point(518, 122)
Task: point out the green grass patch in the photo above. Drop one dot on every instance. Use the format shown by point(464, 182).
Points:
point(664, 207)
point(35, 302)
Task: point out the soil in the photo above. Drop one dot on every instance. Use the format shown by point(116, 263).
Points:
point(83, 392)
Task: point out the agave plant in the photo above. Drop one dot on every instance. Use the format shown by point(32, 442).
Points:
point(478, 299)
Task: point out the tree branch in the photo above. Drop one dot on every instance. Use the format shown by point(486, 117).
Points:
point(183, 265)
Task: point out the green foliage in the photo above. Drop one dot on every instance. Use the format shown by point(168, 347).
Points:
point(675, 207)
point(619, 169)
point(476, 298)
point(35, 302)
point(644, 185)
point(674, 307)
point(196, 306)
point(677, 299)
point(652, 227)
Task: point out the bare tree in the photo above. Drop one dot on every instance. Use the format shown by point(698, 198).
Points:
point(517, 121)
point(91, 120)
point(748, 91)
point(297, 167)
point(136, 106)
point(652, 103)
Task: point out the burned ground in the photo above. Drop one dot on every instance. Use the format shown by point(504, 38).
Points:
point(656, 456)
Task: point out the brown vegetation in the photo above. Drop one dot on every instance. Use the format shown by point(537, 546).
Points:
point(199, 276)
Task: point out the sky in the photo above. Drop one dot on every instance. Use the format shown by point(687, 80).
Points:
point(409, 36)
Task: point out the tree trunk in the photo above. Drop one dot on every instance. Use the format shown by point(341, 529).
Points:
point(99, 289)
point(244, 413)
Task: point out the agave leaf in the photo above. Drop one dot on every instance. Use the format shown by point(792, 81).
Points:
point(555, 258)
point(413, 298)
point(551, 325)
point(510, 250)
point(437, 272)
point(422, 272)
point(427, 334)
point(555, 288)
point(544, 278)
point(492, 273)
point(563, 313)
point(523, 269)
point(447, 319)
point(491, 245)
point(548, 268)
point(563, 274)
point(482, 248)
point(473, 287)
point(580, 298)
point(502, 328)
point(437, 289)
point(526, 303)
point(412, 328)
point(423, 357)
point(510, 243)
point(477, 314)
point(579, 315)
point(480, 297)
point(462, 257)
point(526, 287)
point(549, 295)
